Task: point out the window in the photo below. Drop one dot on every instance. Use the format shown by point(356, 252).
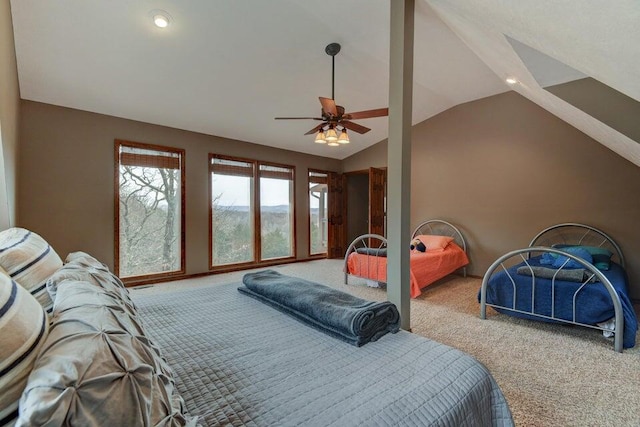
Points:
point(252, 211)
point(276, 211)
point(149, 210)
point(232, 211)
point(318, 212)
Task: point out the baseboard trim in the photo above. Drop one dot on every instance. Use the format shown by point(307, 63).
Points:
point(156, 280)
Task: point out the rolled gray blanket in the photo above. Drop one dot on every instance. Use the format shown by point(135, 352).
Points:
point(336, 313)
point(372, 251)
point(569, 274)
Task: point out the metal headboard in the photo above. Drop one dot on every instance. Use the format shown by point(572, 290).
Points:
point(439, 227)
point(572, 233)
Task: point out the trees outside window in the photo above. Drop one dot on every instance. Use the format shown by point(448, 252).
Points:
point(149, 210)
point(252, 211)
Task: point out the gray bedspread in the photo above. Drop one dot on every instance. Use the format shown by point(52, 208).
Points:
point(239, 362)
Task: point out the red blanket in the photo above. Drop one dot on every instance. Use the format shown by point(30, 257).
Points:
point(426, 267)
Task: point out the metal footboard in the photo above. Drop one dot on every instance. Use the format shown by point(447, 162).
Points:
point(523, 255)
point(375, 244)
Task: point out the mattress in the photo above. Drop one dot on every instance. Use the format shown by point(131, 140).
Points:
point(426, 267)
point(239, 362)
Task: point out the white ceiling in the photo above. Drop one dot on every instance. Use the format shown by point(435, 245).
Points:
point(228, 67)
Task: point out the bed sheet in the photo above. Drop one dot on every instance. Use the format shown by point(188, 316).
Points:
point(426, 267)
point(593, 303)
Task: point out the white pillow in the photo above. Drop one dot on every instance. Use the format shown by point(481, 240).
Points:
point(29, 260)
point(23, 328)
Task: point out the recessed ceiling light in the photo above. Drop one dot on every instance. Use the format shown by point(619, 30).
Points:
point(511, 80)
point(161, 19)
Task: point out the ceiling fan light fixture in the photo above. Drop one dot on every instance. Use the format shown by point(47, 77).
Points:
point(320, 138)
point(343, 138)
point(333, 117)
point(332, 135)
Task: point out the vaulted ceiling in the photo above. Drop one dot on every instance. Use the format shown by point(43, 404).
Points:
point(597, 39)
point(228, 67)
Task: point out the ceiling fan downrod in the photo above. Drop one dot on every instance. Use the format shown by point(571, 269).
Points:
point(332, 50)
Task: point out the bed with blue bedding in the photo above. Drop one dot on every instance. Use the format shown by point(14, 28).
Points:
point(570, 273)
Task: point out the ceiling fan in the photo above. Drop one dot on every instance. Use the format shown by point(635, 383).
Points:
point(333, 117)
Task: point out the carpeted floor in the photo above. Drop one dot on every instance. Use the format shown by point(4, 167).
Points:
point(551, 375)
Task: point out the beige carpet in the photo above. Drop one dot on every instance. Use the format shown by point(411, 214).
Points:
point(551, 375)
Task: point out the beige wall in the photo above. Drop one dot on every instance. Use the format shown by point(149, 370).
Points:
point(503, 169)
point(372, 157)
point(66, 186)
point(9, 117)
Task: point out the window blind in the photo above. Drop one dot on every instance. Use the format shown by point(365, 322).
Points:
point(318, 177)
point(276, 172)
point(225, 166)
point(130, 156)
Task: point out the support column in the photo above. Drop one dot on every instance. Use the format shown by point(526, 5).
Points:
point(399, 156)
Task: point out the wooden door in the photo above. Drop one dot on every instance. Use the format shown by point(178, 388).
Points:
point(337, 238)
point(377, 195)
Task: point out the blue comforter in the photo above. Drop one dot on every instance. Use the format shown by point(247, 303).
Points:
point(593, 303)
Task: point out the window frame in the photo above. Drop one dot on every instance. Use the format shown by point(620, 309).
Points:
point(292, 213)
point(257, 242)
point(326, 252)
point(222, 267)
point(131, 280)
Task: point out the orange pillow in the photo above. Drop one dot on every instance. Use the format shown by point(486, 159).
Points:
point(435, 243)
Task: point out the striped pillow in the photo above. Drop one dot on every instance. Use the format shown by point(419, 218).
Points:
point(23, 329)
point(29, 260)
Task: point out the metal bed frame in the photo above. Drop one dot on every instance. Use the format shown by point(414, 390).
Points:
point(376, 242)
point(570, 234)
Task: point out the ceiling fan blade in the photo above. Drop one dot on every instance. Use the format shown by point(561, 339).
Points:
point(299, 118)
point(354, 126)
point(379, 112)
point(329, 106)
point(315, 129)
